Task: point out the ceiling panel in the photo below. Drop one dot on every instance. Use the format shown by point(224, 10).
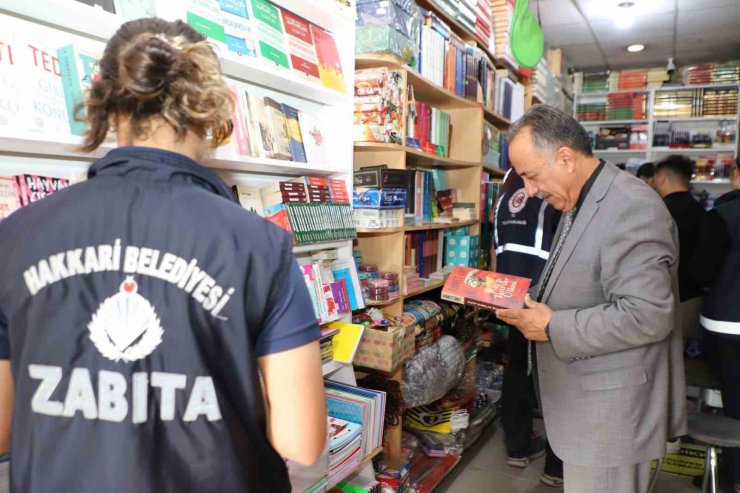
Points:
point(646, 25)
point(584, 55)
point(568, 34)
point(596, 10)
point(706, 41)
point(652, 45)
point(706, 4)
point(710, 21)
point(556, 12)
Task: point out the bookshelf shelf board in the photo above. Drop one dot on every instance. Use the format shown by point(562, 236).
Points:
point(429, 226)
point(717, 181)
point(415, 157)
point(699, 86)
point(66, 147)
point(494, 171)
point(320, 246)
point(425, 90)
point(503, 62)
point(364, 461)
point(382, 303)
point(430, 287)
point(378, 231)
point(694, 150)
point(620, 151)
point(659, 119)
point(371, 455)
point(331, 366)
point(605, 94)
point(499, 121)
point(92, 22)
point(612, 122)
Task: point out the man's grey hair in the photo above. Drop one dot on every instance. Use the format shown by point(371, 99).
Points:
point(551, 129)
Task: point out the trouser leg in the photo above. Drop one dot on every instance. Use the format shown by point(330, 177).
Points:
point(623, 479)
point(553, 464)
point(728, 355)
point(516, 411)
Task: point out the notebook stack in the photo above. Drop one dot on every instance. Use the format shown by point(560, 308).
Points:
point(345, 448)
point(626, 106)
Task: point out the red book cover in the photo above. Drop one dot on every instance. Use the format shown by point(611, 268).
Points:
point(484, 289)
point(278, 215)
point(330, 68)
point(300, 43)
point(30, 188)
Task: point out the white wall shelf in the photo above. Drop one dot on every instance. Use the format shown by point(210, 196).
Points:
point(693, 150)
point(694, 119)
point(613, 122)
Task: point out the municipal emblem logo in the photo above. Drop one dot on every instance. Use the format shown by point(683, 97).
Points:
point(126, 327)
point(518, 201)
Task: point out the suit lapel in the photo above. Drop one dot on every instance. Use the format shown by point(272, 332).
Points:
point(583, 219)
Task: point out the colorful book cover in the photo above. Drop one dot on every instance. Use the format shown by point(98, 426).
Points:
point(251, 117)
point(31, 188)
point(239, 140)
point(238, 27)
point(135, 9)
point(294, 130)
point(271, 38)
point(301, 47)
point(250, 198)
point(278, 215)
point(308, 278)
point(279, 127)
point(484, 289)
point(8, 200)
point(205, 17)
point(263, 126)
point(330, 68)
point(78, 69)
point(314, 139)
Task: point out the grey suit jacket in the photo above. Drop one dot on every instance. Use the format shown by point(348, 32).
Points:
point(611, 378)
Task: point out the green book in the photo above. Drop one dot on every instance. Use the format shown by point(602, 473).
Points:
point(78, 69)
point(272, 41)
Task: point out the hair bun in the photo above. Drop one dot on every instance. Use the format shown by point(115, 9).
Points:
point(145, 65)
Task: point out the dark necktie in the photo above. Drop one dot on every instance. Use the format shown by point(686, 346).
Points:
point(568, 219)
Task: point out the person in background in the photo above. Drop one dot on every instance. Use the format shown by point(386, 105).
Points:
point(607, 357)
point(716, 265)
point(672, 180)
point(523, 231)
point(154, 335)
point(646, 172)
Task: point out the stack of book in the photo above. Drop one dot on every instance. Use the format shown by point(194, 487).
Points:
point(720, 102)
point(411, 280)
point(313, 209)
point(423, 251)
point(587, 112)
point(685, 103)
point(656, 77)
point(20, 190)
point(327, 344)
point(594, 82)
point(626, 106)
point(365, 407)
point(503, 17)
point(712, 73)
point(632, 79)
point(345, 448)
point(462, 11)
point(333, 285)
point(510, 96)
point(483, 25)
point(428, 129)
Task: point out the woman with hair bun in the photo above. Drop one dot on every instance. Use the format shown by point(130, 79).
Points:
point(154, 335)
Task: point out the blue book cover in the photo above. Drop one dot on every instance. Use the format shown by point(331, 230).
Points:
point(78, 69)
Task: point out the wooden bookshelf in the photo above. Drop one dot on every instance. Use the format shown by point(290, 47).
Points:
point(425, 289)
point(414, 156)
point(499, 121)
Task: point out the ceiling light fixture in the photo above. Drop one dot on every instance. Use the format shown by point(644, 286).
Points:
point(625, 15)
point(635, 48)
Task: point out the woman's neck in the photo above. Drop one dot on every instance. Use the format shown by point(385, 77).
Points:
point(162, 136)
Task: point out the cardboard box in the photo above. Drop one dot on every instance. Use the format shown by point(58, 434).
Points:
point(385, 350)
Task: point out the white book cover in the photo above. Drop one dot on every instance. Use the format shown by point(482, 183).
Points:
point(315, 140)
point(250, 199)
point(8, 200)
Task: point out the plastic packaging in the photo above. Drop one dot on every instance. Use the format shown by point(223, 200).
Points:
point(432, 372)
point(403, 18)
point(387, 41)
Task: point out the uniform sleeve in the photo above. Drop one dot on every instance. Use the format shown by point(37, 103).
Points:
point(711, 251)
point(291, 322)
point(4, 340)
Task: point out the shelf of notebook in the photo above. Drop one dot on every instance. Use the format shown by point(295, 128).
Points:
point(493, 170)
point(676, 119)
point(320, 246)
point(424, 89)
point(429, 226)
point(415, 157)
point(93, 22)
point(428, 287)
point(67, 148)
point(693, 150)
point(612, 122)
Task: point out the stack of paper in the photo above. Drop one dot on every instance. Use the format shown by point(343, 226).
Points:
point(344, 448)
point(356, 405)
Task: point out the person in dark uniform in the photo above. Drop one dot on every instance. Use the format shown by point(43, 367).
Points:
point(716, 265)
point(672, 180)
point(524, 228)
point(154, 335)
point(646, 172)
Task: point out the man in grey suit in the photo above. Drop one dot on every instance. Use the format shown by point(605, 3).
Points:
point(609, 364)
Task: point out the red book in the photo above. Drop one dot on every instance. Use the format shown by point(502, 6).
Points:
point(330, 68)
point(484, 289)
point(300, 43)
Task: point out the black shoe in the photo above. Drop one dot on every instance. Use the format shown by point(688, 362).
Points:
point(536, 450)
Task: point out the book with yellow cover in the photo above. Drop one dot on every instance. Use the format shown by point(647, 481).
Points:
point(346, 341)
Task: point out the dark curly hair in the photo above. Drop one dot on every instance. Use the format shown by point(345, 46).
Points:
point(155, 68)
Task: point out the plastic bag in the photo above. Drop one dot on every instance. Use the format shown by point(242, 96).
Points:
point(433, 372)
